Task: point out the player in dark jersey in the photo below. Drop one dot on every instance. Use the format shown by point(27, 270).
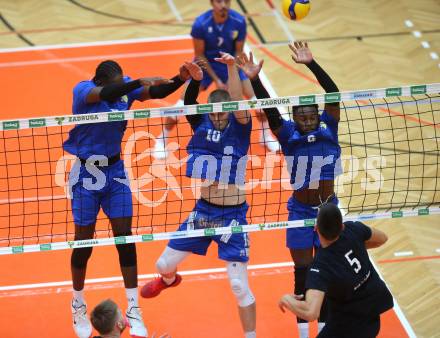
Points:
point(220, 29)
point(218, 156)
point(342, 272)
point(312, 152)
point(98, 179)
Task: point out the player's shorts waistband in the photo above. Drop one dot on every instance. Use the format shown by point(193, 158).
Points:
point(293, 200)
point(207, 203)
point(111, 160)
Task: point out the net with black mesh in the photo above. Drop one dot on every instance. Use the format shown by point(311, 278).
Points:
point(390, 160)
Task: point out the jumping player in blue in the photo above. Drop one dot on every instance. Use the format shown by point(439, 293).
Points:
point(342, 272)
point(218, 155)
point(98, 179)
point(310, 146)
point(218, 30)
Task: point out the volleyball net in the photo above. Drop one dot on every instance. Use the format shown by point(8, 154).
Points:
point(390, 159)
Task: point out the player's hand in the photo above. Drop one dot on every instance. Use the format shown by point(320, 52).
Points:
point(194, 70)
point(301, 52)
point(248, 66)
point(201, 62)
point(220, 85)
point(154, 81)
point(184, 74)
point(286, 303)
point(226, 58)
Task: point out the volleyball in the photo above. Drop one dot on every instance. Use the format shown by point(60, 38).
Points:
point(295, 9)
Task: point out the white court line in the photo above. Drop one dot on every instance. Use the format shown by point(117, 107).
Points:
point(174, 10)
point(96, 57)
point(406, 325)
point(403, 253)
point(437, 250)
point(97, 43)
point(145, 276)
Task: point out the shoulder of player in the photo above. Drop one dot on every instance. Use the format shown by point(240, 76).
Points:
point(82, 85)
point(235, 16)
point(203, 18)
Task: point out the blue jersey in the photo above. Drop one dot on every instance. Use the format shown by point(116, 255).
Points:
point(104, 139)
point(219, 155)
point(219, 37)
point(313, 156)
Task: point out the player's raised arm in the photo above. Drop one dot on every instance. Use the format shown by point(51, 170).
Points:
point(251, 69)
point(235, 89)
point(301, 53)
point(192, 91)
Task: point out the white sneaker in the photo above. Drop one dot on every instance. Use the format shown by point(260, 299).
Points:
point(81, 323)
point(137, 326)
point(160, 152)
point(267, 140)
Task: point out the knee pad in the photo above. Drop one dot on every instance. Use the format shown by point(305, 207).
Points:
point(170, 258)
point(80, 257)
point(238, 279)
point(127, 254)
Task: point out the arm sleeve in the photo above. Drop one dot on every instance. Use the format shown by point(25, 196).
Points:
point(316, 279)
point(197, 30)
point(81, 91)
point(361, 231)
point(191, 93)
point(273, 115)
point(113, 92)
point(163, 90)
point(323, 78)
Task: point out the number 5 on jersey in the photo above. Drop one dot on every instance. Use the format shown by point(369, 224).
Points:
point(353, 261)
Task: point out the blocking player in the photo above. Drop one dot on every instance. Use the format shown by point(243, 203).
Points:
point(218, 151)
point(98, 179)
point(312, 152)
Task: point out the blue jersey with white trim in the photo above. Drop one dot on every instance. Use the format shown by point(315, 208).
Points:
point(219, 37)
point(219, 155)
point(313, 156)
point(104, 139)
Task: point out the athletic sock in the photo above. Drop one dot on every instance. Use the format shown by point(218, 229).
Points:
point(132, 297)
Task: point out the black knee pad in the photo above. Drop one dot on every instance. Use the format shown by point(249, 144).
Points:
point(127, 254)
point(80, 257)
point(300, 284)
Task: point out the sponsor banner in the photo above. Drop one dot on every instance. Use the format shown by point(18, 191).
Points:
point(35, 123)
point(229, 106)
point(210, 232)
point(45, 247)
point(17, 249)
point(423, 212)
point(418, 89)
point(277, 101)
point(237, 229)
point(142, 114)
point(11, 125)
point(173, 111)
point(332, 97)
point(397, 91)
point(309, 222)
point(120, 240)
point(119, 116)
point(147, 238)
point(308, 99)
point(396, 214)
point(362, 95)
point(204, 108)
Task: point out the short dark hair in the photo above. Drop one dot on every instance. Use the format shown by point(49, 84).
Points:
point(294, 109)
point(219, 95)
point(106, 71)
point(329, 221)
point(104, 316)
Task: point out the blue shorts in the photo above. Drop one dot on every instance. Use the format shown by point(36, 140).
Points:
point(231, 247)
point(304, 237)
point(112, 193)
point(221, 70)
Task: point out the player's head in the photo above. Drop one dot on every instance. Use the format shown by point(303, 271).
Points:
point(108, 72)
point(306, 117)
point(107, 318)
point(221, 7)
point(329, 221)
point(220, 120)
